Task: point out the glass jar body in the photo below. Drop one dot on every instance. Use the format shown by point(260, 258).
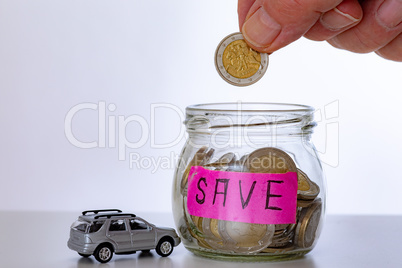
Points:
point(229, 151)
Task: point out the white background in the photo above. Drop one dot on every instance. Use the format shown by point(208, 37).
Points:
point(55, 55)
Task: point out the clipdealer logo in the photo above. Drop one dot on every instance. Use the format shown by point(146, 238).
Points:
point(112, 128)
point(112, 133)
point(326, 136)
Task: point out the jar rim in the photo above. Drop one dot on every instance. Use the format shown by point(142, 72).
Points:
point(249, 107)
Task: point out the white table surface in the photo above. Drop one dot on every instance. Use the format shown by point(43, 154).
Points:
point(39, 239)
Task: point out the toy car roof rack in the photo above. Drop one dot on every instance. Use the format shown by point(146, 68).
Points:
point(100, 210)
point(114, 215)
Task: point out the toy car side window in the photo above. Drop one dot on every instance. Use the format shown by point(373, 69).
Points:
point(136, 224)
point(117, 225)
point(95, 226)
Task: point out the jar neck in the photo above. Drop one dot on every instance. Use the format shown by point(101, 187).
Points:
point(250, 119)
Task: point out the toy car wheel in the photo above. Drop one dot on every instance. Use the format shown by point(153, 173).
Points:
point(164, 247)
point(84, 255)
point(103, 253)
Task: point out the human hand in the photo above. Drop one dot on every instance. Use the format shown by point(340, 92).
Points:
point(357, 26)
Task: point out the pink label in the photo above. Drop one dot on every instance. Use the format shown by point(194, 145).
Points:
point(261, 198)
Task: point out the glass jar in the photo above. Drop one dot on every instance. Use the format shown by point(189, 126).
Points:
point(249, 185)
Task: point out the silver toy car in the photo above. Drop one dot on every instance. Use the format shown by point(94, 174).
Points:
point(102, 232)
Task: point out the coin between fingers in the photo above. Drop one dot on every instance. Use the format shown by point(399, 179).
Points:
point(237, 63)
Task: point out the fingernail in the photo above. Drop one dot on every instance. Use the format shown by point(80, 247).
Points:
point(335, 20)
point(260, 29)
point(389, 14)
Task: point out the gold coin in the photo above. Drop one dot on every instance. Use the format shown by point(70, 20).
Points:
point(304, 203)
point(281, 227)
point(197, 223)
point(307, 189)
point(270, 160)
point(237, 63)
point(198, 232)
point(214, 228)
point(240, 60)
point(307, 226)
point(278, 250)
point(283, 236)
point(210, 228)
point(200, 157)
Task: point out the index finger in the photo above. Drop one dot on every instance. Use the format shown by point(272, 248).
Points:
point(272, 24)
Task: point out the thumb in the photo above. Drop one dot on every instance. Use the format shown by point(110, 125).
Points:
point(272, 24)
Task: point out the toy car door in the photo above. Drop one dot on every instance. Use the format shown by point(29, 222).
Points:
point(142, 234)
point(120, 234)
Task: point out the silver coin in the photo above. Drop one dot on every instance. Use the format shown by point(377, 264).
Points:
point(223, 162)
point(211, 233)
point(237, 167)
point(237, 63)
point(245, 237)
point(307, 226)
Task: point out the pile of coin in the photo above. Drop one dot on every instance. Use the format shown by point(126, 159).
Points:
point(237, 237)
